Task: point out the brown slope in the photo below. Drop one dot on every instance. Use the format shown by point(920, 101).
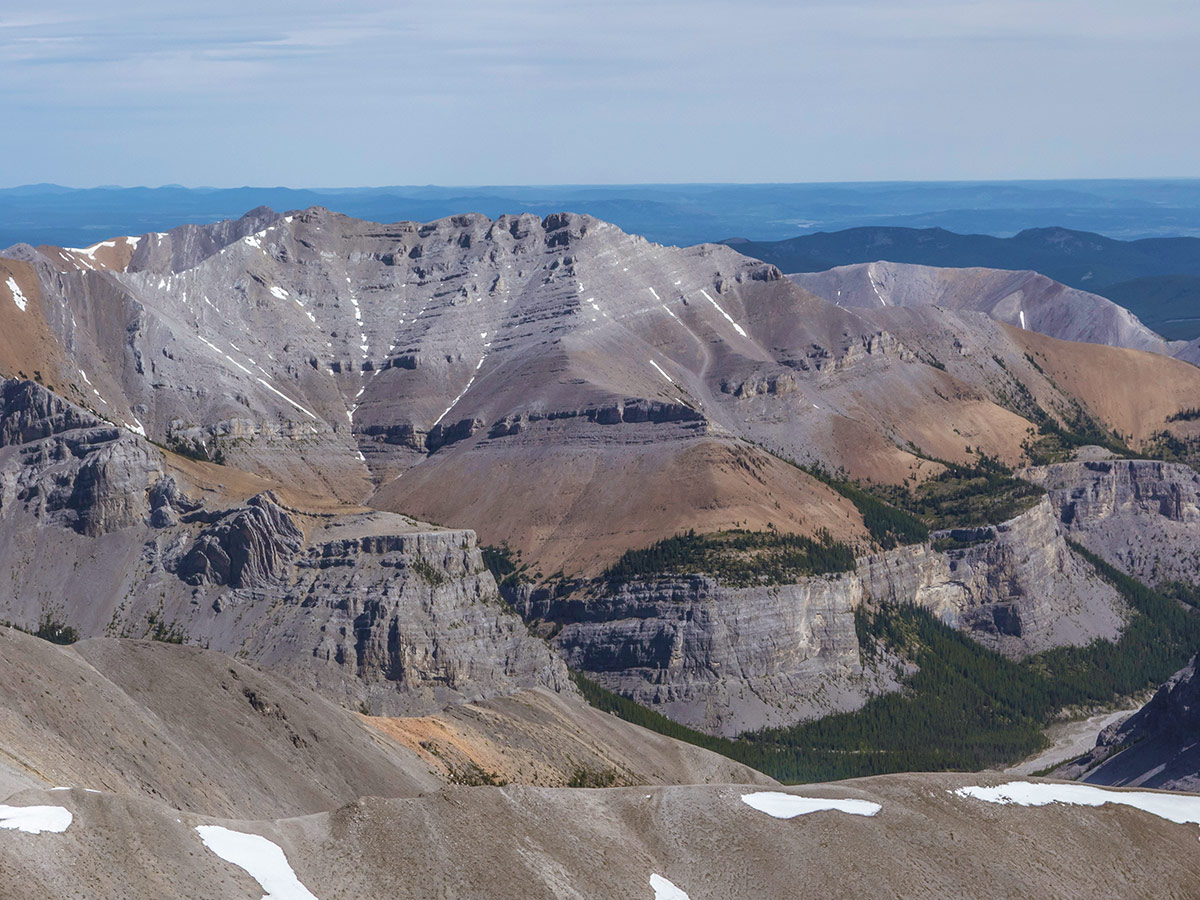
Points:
point(541, 738)
point(1132, 391)
point(113, 254)
point(28, 346)
point(579, 507)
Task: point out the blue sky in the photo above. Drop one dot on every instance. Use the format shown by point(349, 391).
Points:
point(554, 91)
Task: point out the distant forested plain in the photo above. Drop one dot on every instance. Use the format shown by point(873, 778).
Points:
point(668, 214)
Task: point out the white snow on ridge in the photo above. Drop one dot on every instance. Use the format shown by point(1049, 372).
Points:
point(665, 890)
point(1179, 808)
point(262, 859)
point(736, 327)
point(17, 296)
point(90, 252)
point(788, 806)
point(137, 427)
point(35, 819)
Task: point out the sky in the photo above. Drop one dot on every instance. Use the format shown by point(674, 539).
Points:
point(486, 92)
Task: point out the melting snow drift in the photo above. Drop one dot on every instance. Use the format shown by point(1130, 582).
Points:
point(1172, 807)
point(788, 806)
point(665, 890)
point(35, 819)
point(15, 290)
point(262, 859)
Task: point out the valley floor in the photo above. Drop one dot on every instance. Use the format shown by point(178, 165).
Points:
point(1069, 740)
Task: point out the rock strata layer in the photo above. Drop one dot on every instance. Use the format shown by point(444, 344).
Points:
point(1140, 515)
point(733, 659)
point(371, 608)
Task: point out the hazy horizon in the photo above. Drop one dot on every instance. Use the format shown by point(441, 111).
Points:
point(598, 184)
point(549, 93)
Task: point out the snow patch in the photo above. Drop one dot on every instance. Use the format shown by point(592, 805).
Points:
point(665, 890)
point(1022, 314)
point(279, 393)
point(788, 806)
point(35, 819)
point(17, 296)
point(874, 286)
point(137, 427)
point(654, 293)
point(1178, 808)
point(90, 252)
point(262, 859)
point(462, 393)
point(278, 293)
point(736, 327)
point(660, 371)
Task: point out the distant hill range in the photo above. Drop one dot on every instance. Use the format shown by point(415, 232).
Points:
point(679, 214)
point(1157, 279)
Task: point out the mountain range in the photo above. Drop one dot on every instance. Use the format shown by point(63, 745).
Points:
point(388, 505)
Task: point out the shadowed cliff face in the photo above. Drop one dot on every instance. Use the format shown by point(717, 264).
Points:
point(1154, 748)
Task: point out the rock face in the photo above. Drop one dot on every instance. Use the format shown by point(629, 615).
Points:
point(367, 607)
point(248, 547)
point(728, 660)
point(1156, 747)
point(1142, 516)
point(720, 659)
point(71, 468)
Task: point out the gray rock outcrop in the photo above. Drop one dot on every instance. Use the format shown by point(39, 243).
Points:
point(1142, 516)
point(728, 660)
point(367, 607)
point(1021, 298)
point(248, 547)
